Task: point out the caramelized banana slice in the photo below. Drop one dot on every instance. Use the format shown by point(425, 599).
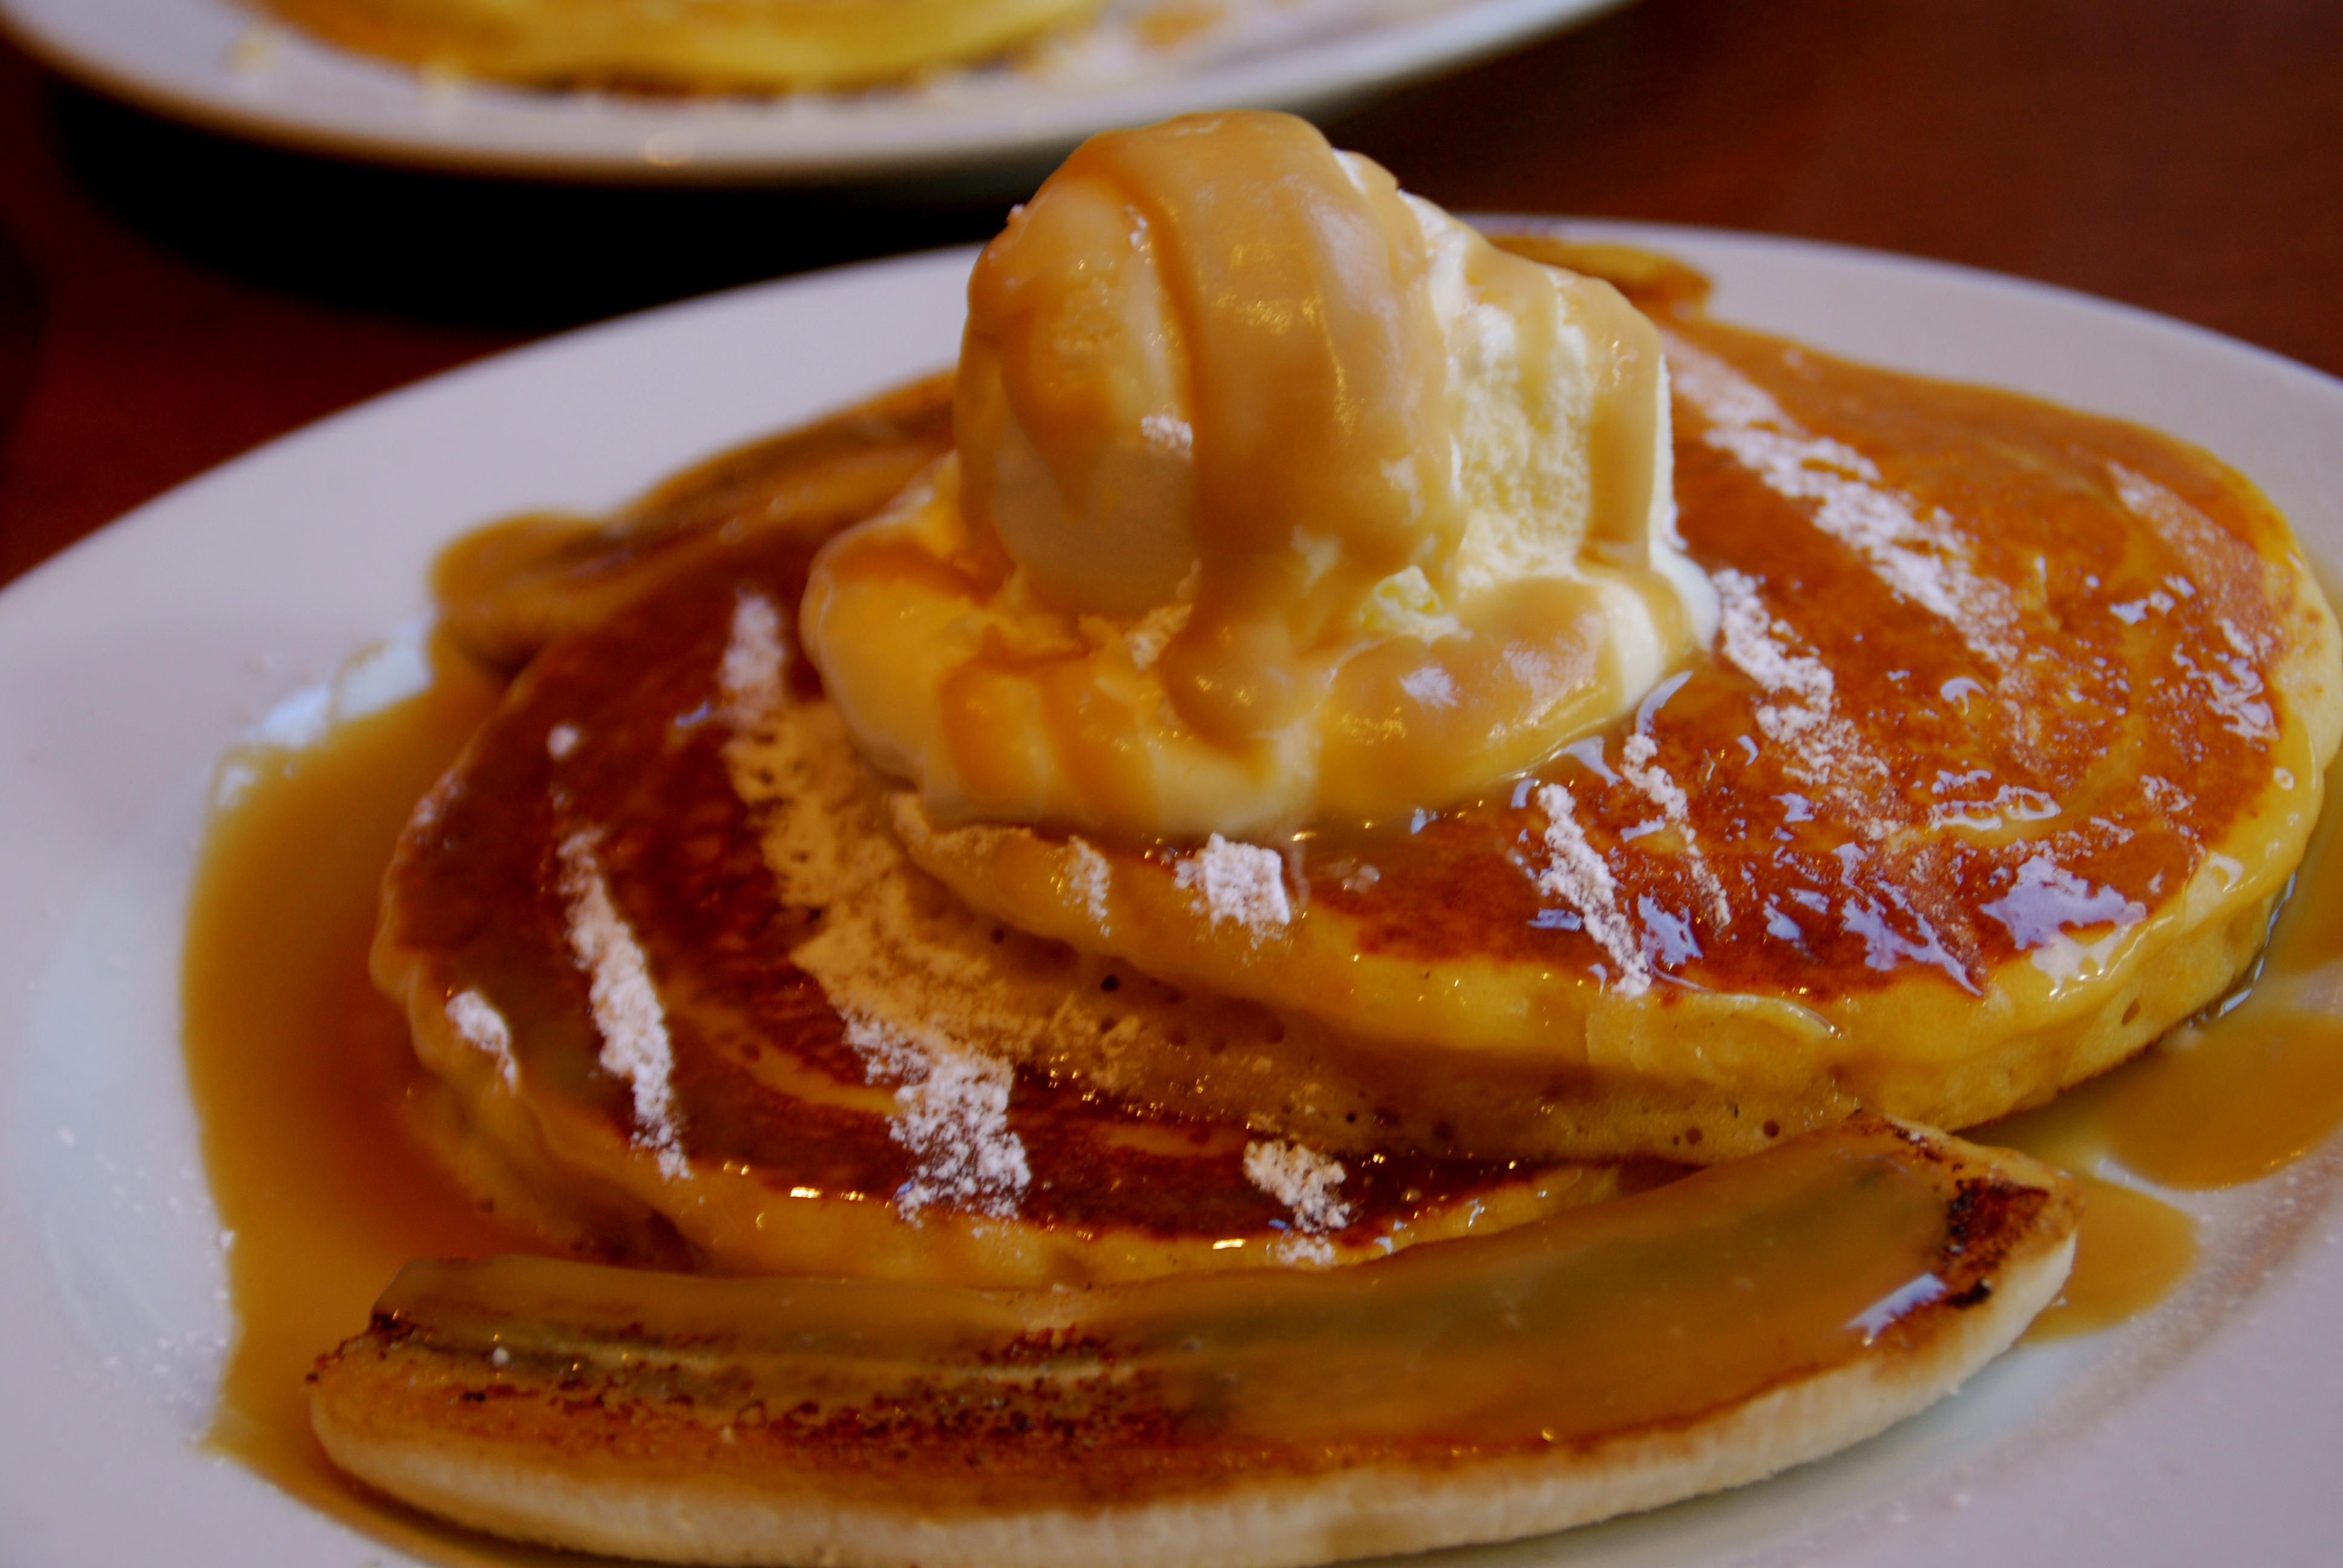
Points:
point(1702, 1335)
point(507, 589)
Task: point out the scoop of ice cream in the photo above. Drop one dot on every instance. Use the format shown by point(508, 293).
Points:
point(1279, 496)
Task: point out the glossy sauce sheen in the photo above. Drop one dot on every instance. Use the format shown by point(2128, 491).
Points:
point(2011, 736)
point(2217, 1103)
point(2221, 1101)
point(297, 1065)
point(2053, 687)
point(304, 1080)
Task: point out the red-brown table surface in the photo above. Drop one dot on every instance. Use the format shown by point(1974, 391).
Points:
point(168, 299)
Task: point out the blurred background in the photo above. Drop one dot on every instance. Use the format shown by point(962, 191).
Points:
point(170, 296)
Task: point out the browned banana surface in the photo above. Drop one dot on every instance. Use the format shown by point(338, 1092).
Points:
point(1703, 1335)
point(507, 589)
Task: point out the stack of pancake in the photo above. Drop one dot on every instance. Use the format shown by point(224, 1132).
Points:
point(1122, 1159)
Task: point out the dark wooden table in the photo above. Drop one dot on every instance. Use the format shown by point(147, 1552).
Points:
point(168, 299)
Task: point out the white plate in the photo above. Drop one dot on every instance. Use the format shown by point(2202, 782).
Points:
point(2205, 1432)
point(218, 65)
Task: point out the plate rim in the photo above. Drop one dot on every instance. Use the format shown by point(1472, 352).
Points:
point(1309, 79)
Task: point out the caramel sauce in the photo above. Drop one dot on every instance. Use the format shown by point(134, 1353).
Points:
point(2217, 1102)
point(303, 1078)
point(1325, 427)
point(2235, 1098)
point(2027, 698)
point(329, 1193)
point(2131, 1252)
point(308, 1089)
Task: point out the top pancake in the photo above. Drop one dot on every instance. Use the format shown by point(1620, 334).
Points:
point(2013, 732)
point(2013, 737)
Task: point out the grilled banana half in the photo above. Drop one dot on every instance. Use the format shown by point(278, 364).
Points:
point(1703, 1335)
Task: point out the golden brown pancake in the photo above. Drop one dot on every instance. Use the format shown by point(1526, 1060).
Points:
point(2014, 735)
point(701, 47)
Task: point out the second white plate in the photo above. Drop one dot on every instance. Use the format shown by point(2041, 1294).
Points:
point(217, 63)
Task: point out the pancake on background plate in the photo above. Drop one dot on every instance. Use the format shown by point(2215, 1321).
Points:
point(683, 45)
point(1261, 804)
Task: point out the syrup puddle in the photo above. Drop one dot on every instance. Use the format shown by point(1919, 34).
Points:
point(2217, 1103)
point(303, 1081)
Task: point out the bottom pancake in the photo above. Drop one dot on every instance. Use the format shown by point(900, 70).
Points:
point(1713, 1333)
point(687, 1004)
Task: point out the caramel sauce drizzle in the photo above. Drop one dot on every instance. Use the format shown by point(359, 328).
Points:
point(1325, 424)
point(304, 1081)
point(309, 1096)
point(2223, 1100)
point(1851, 836)
point(1241, 532)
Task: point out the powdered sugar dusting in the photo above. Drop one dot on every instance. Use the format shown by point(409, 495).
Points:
point(1639, 764)
point(2195, 537)
point(1760, 646)
point(952, 1116)
point(1168, 431)
point(1921, 557)
point(2233, 688)
point(1824, 748)
point(2230, 682)
point(1241, 882)
point(1301, 1179)
point(625, 1002)
point(1579, 876)
point(1154, 632)
point(1298, 1248)
point(483, 1027)
point(1092, 879)
point(754, 661)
